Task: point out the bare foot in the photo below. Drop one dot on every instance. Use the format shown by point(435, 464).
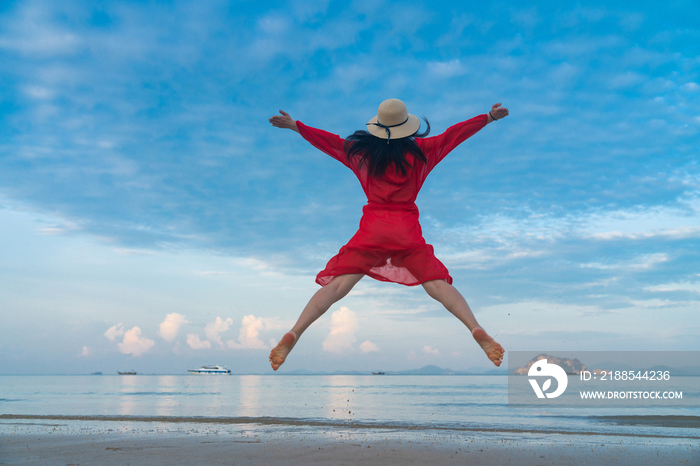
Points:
point(279, 353)
point(493, 350)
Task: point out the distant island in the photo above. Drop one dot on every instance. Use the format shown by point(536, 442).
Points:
point(570, 366)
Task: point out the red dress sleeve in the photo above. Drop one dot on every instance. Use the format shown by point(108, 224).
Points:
point(437, 147)
point(324, 141)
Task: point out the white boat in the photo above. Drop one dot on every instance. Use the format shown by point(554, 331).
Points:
point(217, 369)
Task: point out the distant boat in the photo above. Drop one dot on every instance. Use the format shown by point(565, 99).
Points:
point(216, 369)
point(127, 373)
point(377, 373)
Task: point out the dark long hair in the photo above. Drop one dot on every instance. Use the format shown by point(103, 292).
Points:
point(378, 155)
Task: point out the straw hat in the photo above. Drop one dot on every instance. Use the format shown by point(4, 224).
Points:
point(393, 121)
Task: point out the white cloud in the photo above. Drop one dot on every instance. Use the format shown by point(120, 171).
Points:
point(214, 329)
point(344, 324)
point(51, 231)
point(195, 343)
point(368, 347)
point(87, 350)
point(690, 87)
point(134, 344)
point(265, 268)
point(38, 92)
point(672, 233)
point(248, 337)
point(126, 252)
point(678, 286)
point(522, 235)
point(171, 325)
point(645, 222)
point(447, 69)
point(641, 263)
point(429, 350)
point(59, 228)
point(33, 33)
point(652, 303)
point(114, 331)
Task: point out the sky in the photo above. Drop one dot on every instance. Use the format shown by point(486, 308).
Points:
point(152, 219)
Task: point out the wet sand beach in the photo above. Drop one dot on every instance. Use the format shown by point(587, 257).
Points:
point(75, 443)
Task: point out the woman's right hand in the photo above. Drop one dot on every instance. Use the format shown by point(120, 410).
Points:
point(284, 121)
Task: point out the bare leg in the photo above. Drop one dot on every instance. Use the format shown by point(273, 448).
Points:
point(317, 306)
point(454, 302)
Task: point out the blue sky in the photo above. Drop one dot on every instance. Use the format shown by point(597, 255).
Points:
point(152, 218)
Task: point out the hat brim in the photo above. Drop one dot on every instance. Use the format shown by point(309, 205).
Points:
point(405, 130)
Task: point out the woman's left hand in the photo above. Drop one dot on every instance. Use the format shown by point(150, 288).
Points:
point(497, 112)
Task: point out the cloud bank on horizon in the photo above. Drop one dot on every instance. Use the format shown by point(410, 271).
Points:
point(138, 132)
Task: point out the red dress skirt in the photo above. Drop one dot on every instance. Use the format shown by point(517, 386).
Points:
point(389, 244)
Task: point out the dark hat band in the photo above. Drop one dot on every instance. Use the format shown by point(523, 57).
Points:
point(386, 127)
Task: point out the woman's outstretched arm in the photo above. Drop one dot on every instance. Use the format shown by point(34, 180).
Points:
point(284, 121)
point(437, 147)
point(329, 143)
point(497, 112)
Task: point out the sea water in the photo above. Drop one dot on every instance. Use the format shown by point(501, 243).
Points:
point(448, 404)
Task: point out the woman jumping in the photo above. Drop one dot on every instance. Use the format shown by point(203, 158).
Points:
point(391, 160)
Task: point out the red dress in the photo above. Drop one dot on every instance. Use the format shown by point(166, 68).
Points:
point(389, 245)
